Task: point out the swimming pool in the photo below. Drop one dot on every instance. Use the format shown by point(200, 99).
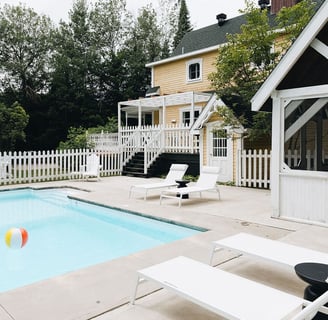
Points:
point(66, 235)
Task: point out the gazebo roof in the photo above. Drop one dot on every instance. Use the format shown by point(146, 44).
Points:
point(304, 65)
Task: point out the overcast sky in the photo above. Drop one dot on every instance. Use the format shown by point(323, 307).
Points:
point(202, 12)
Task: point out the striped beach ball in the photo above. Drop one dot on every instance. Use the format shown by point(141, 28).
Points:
point(16, 238)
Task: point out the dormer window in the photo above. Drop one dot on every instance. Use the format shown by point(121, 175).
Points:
point(194, 70)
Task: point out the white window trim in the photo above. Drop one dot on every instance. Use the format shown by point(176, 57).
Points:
point(182, 110)
point(193, 61)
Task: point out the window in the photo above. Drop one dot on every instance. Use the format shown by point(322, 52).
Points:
point(194, 70)
point(306, 134)
point(186, 115)
point(219, 148)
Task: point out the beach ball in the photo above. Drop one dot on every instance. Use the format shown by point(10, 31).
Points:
point(16, 238)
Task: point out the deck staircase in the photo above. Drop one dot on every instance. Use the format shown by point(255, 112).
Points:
point(135, 167)
point(160, 167)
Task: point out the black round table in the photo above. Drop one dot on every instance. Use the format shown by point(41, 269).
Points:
point(182, 184)
point(315, 274)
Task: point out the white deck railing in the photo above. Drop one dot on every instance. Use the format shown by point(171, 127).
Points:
point(156, 139)
point(38, 166)
point(103, 141)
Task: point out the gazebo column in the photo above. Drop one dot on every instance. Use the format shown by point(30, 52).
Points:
point(276, 153)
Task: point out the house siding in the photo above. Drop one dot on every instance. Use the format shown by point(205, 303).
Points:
point(173, 113)
point(172, 78)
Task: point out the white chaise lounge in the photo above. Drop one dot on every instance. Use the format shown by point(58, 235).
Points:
point(176, 172)
point(207, 181)
point(4, 164)
point(91, 169)
point(271, 250)
point(228, 295)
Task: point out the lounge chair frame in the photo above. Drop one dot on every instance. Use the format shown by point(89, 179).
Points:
point(4, 164)
point(228, 295)
point(91, 169)
point(207, 181)
point(176, 172)
point(266, 249)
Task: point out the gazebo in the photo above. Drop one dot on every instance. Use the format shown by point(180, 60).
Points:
point(297, 92)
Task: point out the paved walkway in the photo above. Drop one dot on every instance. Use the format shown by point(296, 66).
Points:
point(102, 292)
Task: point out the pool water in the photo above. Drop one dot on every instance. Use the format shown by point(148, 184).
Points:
point(66, 235)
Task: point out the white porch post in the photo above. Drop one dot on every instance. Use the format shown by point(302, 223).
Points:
point(192, 112)
point(120, 142)
point(119, 116)
point(201, 148)
point(126, 118)
point(164, 113)
point(163, 127)
point(276, 155)
point(139, 115)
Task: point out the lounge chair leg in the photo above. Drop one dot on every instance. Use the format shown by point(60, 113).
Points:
point(180, 200)
point(213, 251)
point(218, 191)
point(133, 298)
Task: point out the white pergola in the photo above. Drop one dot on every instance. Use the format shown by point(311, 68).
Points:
point(135, 108)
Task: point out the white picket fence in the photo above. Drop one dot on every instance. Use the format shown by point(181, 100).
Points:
point(40, 166)
point(253, 168)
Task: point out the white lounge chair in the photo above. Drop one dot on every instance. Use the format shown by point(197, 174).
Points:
point(176, 172)
point(267, 249)
point(89, 170)
point(207, 181)
point(228, 295)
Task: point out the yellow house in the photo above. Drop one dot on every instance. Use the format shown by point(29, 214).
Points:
point(176, 121)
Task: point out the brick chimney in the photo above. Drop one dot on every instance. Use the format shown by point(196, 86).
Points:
point(276, 5)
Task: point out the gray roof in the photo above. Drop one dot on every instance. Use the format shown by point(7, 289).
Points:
point(214, 35)
point(209, 36)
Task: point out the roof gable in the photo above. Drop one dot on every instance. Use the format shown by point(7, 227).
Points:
point(305, 63)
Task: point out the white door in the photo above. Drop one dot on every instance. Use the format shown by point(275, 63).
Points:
point(220, 152)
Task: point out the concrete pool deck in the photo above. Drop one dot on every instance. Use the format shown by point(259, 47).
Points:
point(102, 291)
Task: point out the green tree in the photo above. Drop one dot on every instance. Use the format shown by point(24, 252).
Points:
point(25, 50)
point(168, 17)
point(13, 121)
point(110, 23)
point(76, 139)
point(184, 24)
point(85, 82)
point(73, 92)
point(142, 46)
point(247, 59)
